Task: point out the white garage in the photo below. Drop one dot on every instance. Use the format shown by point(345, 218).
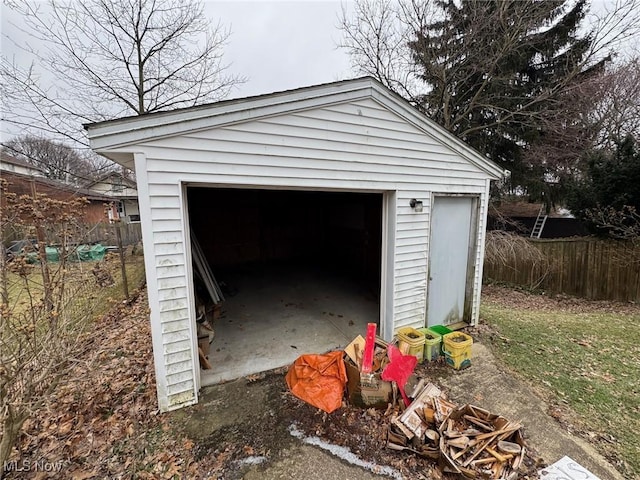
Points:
point(321, 209)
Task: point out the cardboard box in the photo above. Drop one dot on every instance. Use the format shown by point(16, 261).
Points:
point(376, 393)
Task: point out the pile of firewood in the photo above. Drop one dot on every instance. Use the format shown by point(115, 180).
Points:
point(479, 444)
point(467, 441)
point(415, 429)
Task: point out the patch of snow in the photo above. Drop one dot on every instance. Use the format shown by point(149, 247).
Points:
point(252, 460)
point(565, 213)
point(344, 454)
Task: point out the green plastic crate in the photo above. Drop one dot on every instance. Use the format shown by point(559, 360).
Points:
point(442, 331)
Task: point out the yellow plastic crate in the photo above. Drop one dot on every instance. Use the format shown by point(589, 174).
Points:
point(457, 349)
point(415, 340)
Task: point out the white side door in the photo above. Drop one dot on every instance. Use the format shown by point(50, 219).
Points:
point(451, 230)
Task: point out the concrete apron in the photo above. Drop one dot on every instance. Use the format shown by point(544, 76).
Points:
point(486, 385)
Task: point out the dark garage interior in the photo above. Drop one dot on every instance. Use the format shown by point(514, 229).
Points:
point(300, 271)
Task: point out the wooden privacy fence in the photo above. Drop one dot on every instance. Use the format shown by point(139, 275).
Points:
point(103, 233)
point(584, 267)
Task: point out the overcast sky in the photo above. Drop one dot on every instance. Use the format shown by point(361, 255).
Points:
point(282, 45)
point(276, 45)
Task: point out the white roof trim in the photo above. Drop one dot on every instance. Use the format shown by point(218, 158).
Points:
point(117, 138)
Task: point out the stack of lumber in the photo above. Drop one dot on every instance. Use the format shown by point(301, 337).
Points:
point(469, 441)
point(203, 271)
point(479, 444)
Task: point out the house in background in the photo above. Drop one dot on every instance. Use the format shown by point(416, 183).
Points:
point(532, 220)
point(12, 164)
point(122, 191)
point(21, 178)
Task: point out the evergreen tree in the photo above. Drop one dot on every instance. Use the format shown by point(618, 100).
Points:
point(496, 69)
point(607, 195)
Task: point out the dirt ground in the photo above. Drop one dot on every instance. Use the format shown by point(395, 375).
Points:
point(247, 426)
point(104, 422)
point(243, 429)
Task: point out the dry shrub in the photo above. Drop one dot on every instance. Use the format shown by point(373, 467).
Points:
point(38, 332)
point(506, 247)
point(506, 250)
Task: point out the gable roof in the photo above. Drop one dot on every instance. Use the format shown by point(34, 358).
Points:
point(11, 160)
point(103, 179)
point(115, 138)
point(20, 184)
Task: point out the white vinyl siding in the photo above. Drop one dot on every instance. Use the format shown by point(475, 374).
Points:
point(411, 261)
point(359, 139)
point(327, 148)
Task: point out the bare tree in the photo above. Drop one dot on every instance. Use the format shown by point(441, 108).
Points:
point(595, 113)
point(465, 64)
point(564, 132)
point(621, 224)
point(377, 34)
point(56, 160)
point(617, 108)
point(101, 165)
point(110, 59)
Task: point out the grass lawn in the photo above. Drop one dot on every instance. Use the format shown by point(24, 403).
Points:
point(85, 298)
point(584, 356)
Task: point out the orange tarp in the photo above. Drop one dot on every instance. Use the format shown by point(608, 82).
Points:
point(319, 380)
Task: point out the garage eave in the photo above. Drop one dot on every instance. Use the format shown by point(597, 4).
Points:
point(122, 158)
point(132, 130)
point(114, 138)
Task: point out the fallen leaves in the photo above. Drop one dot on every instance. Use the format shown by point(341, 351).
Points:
point(248, 450)
point(103, 420)
point(65, 427)
point(517, 299)
point(83, 474)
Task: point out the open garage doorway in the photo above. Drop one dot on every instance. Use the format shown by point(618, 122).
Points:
point(300, 272)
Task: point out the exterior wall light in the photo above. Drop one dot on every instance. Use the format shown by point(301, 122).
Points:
point(416, 205)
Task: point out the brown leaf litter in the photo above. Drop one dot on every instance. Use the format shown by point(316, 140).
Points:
point(104, 423)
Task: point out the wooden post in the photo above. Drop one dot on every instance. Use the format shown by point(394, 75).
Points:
point(42, 254)
point(4, 289)
point(125, 285)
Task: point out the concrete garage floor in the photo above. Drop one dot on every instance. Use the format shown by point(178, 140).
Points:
point(282, 312)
